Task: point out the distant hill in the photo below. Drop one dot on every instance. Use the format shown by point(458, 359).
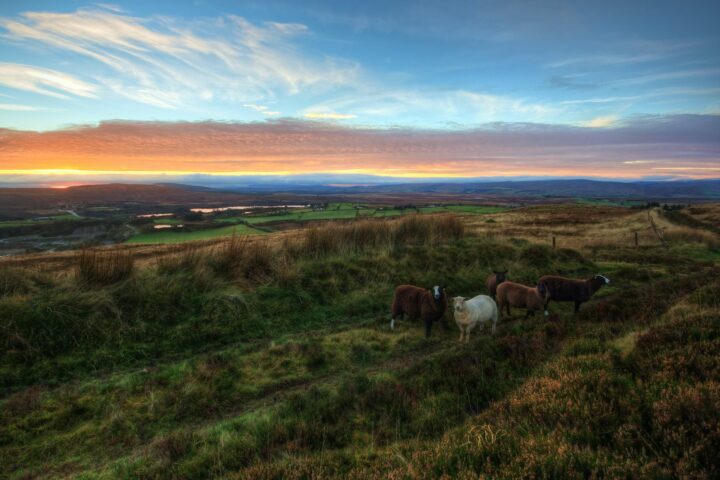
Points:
point(699, 189)
point(645, 190)
point(17, 202)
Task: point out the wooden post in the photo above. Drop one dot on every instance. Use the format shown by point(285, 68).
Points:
point(659, 232)
point(553, 242)
point(636, 239)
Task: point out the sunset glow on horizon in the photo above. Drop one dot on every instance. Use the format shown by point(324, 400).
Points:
point(478, 90)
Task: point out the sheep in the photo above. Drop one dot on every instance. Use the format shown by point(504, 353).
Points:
point(495, 279)
point(511, 294)
point(563, 289)
point(415, 302)
point(469, 313)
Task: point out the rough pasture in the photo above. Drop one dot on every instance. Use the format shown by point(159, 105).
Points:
point(197, 365)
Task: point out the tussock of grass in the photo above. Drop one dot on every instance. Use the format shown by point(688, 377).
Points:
point(96, 267)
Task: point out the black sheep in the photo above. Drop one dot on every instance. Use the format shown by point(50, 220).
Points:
point(428, 304)
point(563, 289)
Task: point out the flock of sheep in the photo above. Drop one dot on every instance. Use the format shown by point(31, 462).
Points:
point(430, 304)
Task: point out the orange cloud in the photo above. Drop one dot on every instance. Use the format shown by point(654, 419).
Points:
point(684, 145)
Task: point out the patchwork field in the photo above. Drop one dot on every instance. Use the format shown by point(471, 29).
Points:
point(164, 236)
point(271, 356)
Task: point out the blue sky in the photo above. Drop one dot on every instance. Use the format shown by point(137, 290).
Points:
point(430, 64)
point(441, 66)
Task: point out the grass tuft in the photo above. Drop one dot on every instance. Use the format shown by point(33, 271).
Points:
point(96, 267)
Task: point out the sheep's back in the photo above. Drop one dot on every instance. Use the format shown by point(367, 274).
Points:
point(561, 288)
point(480, 308)
point(408, 299)
point(513, 293)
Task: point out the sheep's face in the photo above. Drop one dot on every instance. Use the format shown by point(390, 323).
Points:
point(602, 279)
point(500, 277)
point(543, 290)
point(436, 292)
point(459, 304)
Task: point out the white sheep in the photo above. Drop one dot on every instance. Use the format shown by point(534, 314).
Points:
point(469, 313)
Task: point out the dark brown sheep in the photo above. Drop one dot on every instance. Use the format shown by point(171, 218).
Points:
point(511, 294)
point(563, 289)
point(495, 279)
point(427, 304)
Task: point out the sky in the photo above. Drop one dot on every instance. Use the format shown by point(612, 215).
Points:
point(421, 89)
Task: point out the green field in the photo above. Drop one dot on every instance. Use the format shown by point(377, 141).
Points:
point(346, 211)
point(167, 221)
point(165, 236)
point(50, 219)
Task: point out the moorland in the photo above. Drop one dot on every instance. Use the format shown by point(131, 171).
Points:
point(270, 355)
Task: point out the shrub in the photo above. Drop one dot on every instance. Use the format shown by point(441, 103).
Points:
point(97, 267)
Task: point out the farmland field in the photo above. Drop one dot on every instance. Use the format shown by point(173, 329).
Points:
point(49, 219)
point(272, 357)
point(169, 236)
point(346, 211)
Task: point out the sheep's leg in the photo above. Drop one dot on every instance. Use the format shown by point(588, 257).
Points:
point(545, 307)
point(577, 306)
point(508, 308)
point(492, 329)
point(467, 334)
point(428, 327)
point(392, 321)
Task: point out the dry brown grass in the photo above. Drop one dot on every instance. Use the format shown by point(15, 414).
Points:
point(579, 227)
point(104, 267)
point(692, 235)
point(318, 241)
point(240, 257)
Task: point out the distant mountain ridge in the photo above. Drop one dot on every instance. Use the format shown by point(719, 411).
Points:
point(668, 189)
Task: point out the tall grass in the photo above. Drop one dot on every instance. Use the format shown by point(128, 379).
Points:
point(693, 235)
point(96, 267)
point(241, 257)
point(379, 234)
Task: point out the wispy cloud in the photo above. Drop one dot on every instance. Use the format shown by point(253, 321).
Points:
point(630, 52)
point(262, 109)
point(600, 122)
point(661, 76)
point(329, 116)
point(413, 105)
point(168, 63)
point(44, 81)
point(18, 108)
point(687, 142)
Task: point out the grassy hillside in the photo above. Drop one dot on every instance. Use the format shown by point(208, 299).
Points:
point(275, 360)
